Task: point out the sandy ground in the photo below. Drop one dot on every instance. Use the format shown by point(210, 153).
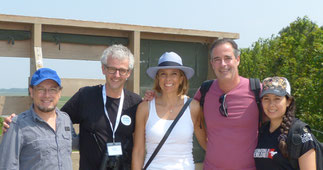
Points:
point(76, 157)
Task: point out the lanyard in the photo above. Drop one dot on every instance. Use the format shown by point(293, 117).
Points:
point(118, 114)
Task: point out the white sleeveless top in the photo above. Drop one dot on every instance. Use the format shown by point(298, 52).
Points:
point(176, 153)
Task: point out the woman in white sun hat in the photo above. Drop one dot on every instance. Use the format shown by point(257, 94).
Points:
point(153, 118)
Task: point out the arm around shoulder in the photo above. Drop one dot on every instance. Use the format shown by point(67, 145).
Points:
point(198, 121)
point(10, 147)
point(6, 123)
point(138, 152)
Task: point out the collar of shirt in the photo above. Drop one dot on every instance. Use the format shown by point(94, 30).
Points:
point(37, 118)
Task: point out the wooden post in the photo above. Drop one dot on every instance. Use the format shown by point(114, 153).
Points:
point(134, 46)
point(36, 58)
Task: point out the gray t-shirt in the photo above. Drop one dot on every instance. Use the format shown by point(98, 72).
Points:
point(30, 143)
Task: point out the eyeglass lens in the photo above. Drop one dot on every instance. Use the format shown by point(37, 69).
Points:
point(113, 70)
point(223, 107)
point(50, 91)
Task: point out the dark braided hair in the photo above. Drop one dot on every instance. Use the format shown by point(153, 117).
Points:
point(285, 126)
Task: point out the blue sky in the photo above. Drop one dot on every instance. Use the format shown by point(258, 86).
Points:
point(252, 19)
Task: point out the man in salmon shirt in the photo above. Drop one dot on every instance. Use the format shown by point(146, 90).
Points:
point(230, 111)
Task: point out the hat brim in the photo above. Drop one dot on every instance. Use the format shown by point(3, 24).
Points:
point(273, 91)
point(43, 79)
point(152, 71)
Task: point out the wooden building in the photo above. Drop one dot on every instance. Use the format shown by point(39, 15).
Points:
point(37, 38)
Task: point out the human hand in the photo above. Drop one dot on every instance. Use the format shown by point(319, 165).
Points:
point(7, 122)
point(149, 95)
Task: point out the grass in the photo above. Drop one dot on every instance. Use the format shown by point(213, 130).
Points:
point(1, 124)
point(62, 101)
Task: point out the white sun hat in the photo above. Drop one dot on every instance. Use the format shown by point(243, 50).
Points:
point(170, 60)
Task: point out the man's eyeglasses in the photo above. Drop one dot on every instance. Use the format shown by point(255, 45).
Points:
point(50, 91)
point(223, 107)
point(113, 70)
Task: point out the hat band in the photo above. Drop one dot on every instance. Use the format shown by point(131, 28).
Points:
point(169, 63)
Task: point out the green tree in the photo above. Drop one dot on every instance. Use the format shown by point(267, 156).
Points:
point(297, 54)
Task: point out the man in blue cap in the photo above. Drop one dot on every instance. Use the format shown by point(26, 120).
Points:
point(106, 114)
point(39, 138)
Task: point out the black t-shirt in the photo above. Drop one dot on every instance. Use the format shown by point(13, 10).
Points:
point(267, 154)
point(87, 109)
point(112, 106)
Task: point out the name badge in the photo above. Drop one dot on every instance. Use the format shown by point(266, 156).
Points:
point(114, 149)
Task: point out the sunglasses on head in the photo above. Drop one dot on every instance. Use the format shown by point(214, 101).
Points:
point(223, 107)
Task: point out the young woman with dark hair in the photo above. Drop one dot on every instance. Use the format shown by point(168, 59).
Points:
point(274, 150)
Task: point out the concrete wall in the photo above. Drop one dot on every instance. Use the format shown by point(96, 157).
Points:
point(71, 86)
point(14, 104)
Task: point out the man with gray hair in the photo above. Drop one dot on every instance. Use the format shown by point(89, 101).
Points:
point(106, 114)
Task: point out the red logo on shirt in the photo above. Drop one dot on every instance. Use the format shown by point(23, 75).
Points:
point(271, 153)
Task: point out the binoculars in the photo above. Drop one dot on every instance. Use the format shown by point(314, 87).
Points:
point(110, 162)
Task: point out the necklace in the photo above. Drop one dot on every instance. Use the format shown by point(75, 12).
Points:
point(175, 105)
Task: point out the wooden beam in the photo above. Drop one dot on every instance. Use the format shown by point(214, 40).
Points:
point(72, 51)
point(105, 32)
point(84, 31)
point(114, 26)
point(51, 50)
point(134, 45)
point(15, 26)
point(173, 37)
point(19, 49)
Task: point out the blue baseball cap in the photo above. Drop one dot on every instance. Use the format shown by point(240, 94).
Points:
point(44, 74)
